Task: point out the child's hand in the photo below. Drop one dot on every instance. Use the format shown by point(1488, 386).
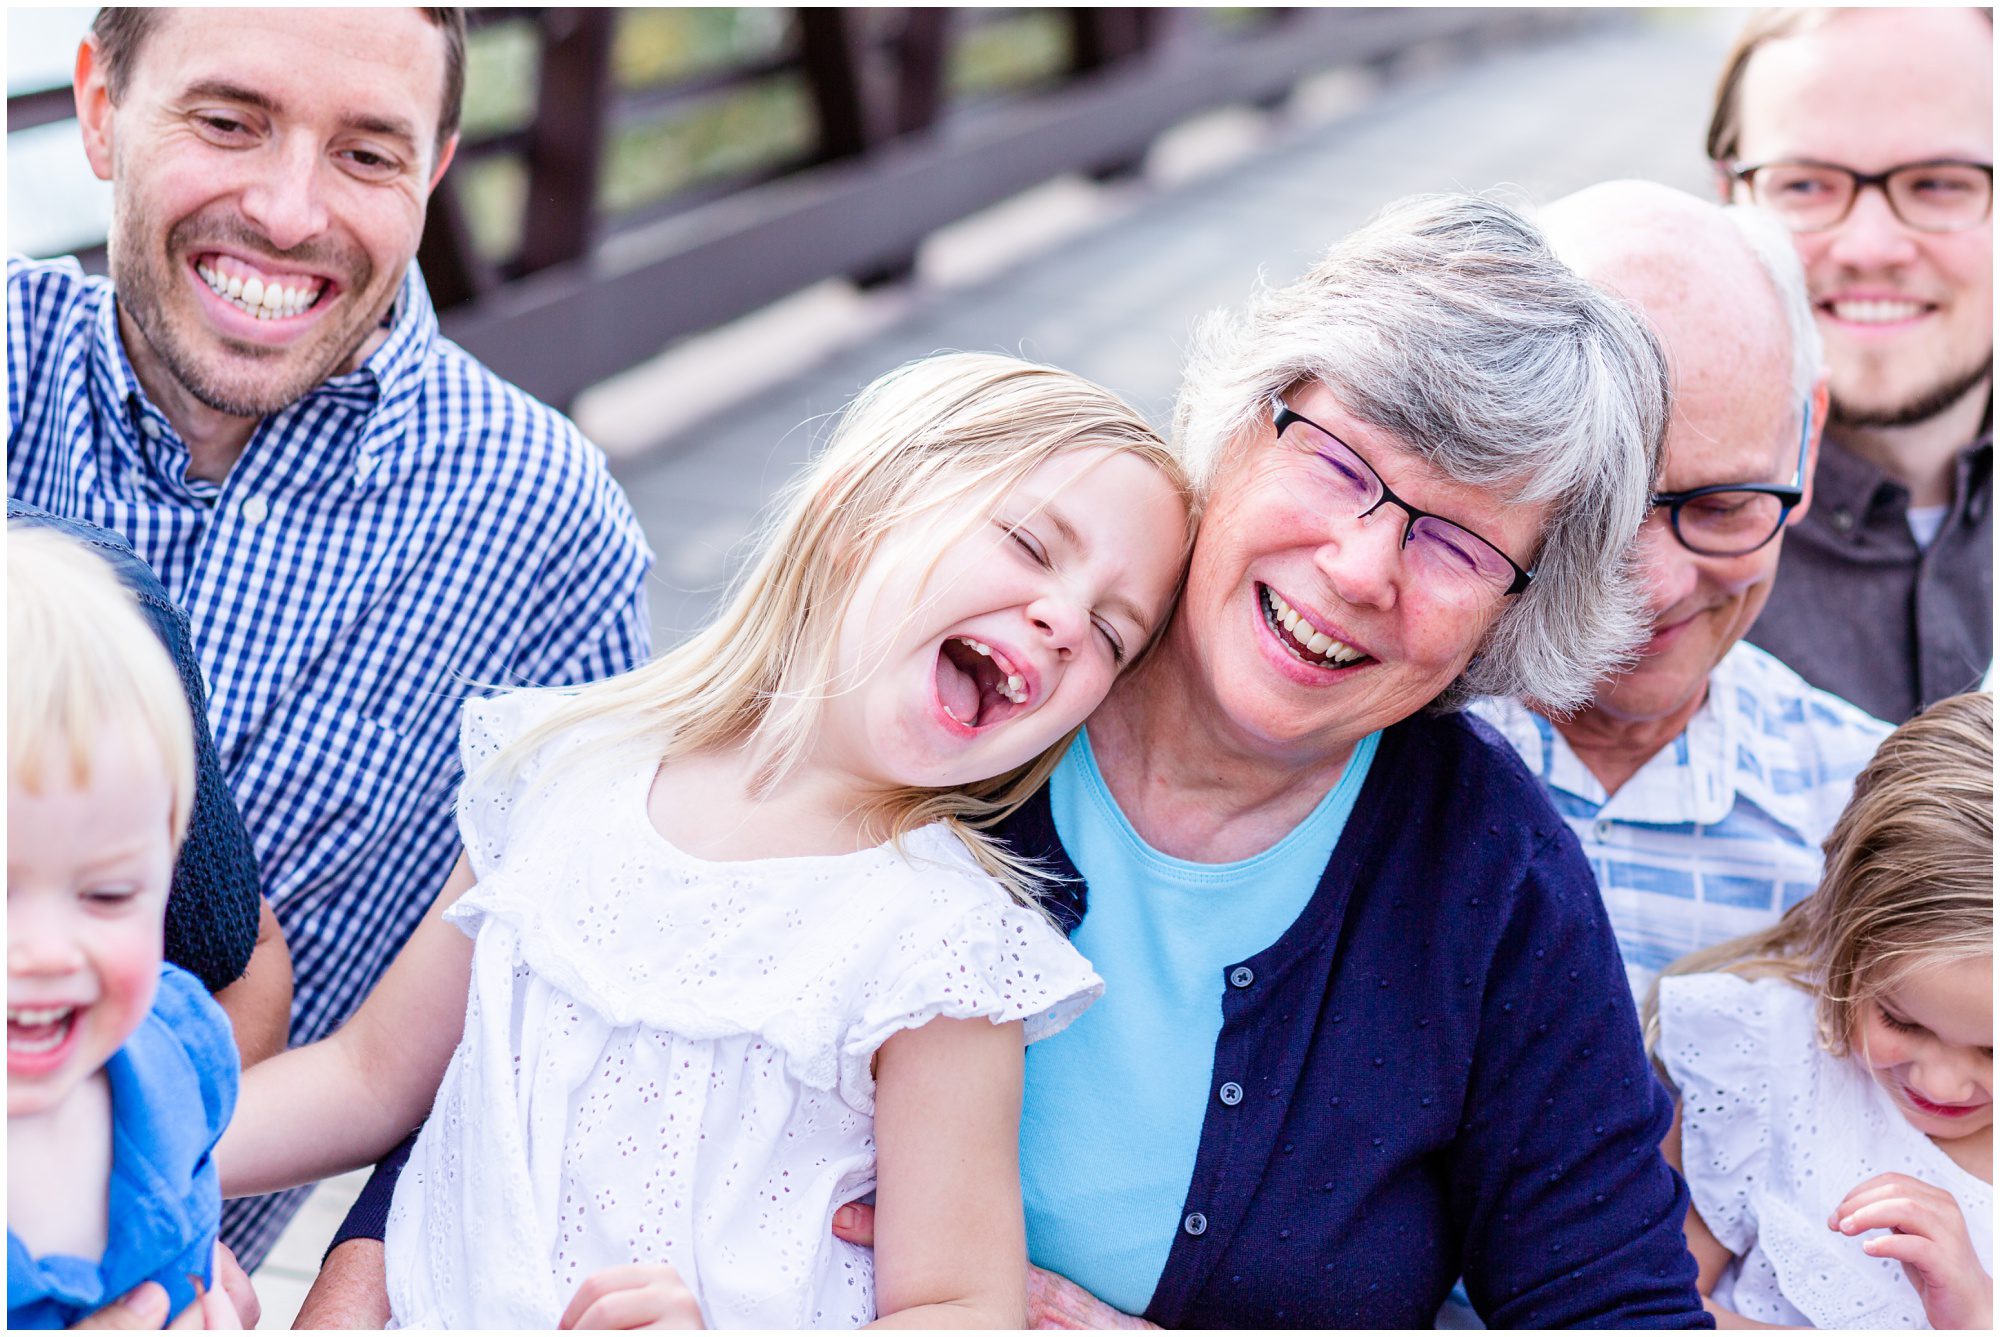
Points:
point(638, 1295)
point(1930, 1242)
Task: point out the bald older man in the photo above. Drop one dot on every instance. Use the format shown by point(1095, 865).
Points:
point(1702, 780)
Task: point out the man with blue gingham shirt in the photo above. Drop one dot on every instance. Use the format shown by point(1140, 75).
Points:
point(1702, 781)
point(364, 525)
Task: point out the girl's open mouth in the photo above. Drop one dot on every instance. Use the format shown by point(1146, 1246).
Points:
point(976, 686)
point(38, 1038)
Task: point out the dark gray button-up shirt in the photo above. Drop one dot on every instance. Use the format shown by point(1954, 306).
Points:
point(1860, 611)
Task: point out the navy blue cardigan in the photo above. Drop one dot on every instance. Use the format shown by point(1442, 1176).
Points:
point(1441, 1074)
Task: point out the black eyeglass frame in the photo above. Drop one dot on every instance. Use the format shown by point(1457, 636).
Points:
point(1863, 180)
point(1283, 416)
point(1788, 496)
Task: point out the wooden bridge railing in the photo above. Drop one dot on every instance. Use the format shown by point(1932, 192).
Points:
point(548, 264)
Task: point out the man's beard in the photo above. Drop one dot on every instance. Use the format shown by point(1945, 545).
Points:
point(1919, 408)
point(263, 379)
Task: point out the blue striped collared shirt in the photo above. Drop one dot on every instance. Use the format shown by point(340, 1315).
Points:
point(1719, 832)
point(407, 534)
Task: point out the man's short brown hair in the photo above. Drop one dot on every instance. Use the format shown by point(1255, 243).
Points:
point(1725, 125)
point(119, 31)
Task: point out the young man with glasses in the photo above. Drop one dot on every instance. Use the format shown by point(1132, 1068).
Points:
point(1701, 780)
point(1869, 134)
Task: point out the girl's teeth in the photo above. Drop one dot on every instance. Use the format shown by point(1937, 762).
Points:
point(36, 1016)
point(1014, 688)
point(55, 1021)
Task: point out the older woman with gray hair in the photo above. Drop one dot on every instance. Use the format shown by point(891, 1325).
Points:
point(1365, 1027)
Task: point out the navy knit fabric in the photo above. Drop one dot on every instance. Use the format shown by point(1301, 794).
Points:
point(1440, 1071)
point(213, 907)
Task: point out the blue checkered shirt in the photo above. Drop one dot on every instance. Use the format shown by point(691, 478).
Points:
point(1719, 832)
point(407, 534)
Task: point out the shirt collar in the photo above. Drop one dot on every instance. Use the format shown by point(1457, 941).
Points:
point(384, 387)
point(1844, 481)
point(1691, 779)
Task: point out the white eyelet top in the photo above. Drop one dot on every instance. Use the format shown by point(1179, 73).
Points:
point(1774, 1132)
point(667, 1059)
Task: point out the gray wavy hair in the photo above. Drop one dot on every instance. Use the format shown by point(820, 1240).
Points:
point(1448, 323)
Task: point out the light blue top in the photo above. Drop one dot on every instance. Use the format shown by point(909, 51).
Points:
point(173, 1086)
point(1114, 1105)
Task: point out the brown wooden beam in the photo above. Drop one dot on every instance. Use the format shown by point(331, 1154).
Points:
point(566, 144)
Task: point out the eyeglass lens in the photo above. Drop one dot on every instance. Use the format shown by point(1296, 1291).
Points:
point(1338, 484)
point(1728, 524)
point(1933, 197)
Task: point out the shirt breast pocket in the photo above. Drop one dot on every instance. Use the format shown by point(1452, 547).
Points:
point(344, 798)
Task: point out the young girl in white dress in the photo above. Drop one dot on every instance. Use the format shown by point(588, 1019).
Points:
point(728, 947)
point(1836, 1075)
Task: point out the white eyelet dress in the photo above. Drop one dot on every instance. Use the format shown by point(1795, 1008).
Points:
point(1774, 1132)
point(668, 1060)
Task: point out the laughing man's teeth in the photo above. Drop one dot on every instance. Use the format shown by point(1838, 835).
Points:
point(1014, 687)
point(254, 297)
point(1876, 312)
point(1333, 654)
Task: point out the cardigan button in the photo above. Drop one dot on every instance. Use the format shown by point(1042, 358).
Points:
point(1230, 1094)
point(1194, 1223)
point(1242, 977)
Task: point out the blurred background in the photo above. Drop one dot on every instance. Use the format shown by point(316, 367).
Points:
point(700, 231)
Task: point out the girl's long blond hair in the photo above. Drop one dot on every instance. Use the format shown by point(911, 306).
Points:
point(1908, 880)
point(940, 437)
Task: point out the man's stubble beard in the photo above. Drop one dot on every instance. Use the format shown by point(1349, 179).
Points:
point(1919, 408)
point(142, 279)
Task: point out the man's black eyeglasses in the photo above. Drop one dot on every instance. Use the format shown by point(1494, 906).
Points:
point(1736, 519)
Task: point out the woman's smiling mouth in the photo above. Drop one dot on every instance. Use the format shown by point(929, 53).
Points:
point(1297, 634)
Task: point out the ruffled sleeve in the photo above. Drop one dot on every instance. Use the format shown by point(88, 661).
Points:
point(993, 959)
point(486, 803)
point(1723, 1040)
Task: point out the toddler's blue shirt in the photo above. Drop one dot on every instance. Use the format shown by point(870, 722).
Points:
point(173, 1086)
